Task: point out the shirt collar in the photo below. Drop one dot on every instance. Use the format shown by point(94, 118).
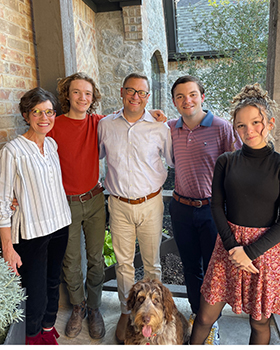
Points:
point(206, 121)
point(146, 116)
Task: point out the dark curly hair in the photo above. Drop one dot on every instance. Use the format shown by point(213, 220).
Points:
point(63, 86)
point(255, 96)
point(33, 97)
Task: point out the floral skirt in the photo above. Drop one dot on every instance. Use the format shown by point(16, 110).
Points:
point(255, 294)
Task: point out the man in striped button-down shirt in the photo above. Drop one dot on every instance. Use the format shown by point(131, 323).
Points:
point(198, 139)
point(133, 143)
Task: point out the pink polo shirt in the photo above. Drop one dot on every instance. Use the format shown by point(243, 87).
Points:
point(196, 152)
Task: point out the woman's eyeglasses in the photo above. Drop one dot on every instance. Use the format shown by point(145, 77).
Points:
point(47, 112)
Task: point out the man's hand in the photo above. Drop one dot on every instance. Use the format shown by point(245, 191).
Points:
point(14, 204)
point(241, 260)
point(158, 115)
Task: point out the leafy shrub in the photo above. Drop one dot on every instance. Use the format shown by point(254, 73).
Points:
point(108, 251)
point(11, 295)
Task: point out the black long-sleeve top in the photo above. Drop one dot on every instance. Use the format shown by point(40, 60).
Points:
point(246, 192)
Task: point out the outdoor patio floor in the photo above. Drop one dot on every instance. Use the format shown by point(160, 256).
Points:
point(234, 329)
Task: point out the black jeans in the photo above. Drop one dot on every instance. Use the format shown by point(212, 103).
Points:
point(40, 274)
point(195, 234)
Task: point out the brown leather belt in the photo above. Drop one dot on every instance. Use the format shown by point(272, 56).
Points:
point(193, 203)
point(138, 200)
point(88, 195)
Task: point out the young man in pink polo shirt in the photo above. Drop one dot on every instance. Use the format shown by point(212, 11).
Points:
point(198, 138)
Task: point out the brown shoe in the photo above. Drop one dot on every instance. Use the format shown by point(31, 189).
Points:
point(121, 328)
point(74, 324)
point(96, 324)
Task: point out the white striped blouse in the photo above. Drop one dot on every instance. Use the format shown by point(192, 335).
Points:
point(36, 181)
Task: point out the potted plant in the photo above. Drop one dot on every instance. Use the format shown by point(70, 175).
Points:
point(12, 306)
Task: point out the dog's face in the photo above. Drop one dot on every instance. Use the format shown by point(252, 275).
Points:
point(151, 305)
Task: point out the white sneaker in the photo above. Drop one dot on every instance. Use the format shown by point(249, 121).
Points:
point(213, 337)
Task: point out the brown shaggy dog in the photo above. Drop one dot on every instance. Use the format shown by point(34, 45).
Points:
point(154, 317)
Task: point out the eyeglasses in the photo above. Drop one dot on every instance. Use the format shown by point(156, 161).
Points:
point(47, 112)
point(132, 92)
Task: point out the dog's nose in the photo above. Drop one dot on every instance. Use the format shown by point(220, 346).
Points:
point(146, 319)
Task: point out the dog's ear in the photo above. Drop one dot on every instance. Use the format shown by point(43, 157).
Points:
point(168, 303)
point(131, 300)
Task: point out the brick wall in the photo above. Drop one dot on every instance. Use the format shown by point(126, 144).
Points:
point(17, 64)
point(132, 18)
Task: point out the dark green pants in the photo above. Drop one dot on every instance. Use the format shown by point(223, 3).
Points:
point(90, 216)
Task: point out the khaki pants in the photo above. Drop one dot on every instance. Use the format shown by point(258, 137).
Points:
point(91, 216)
point(128, 222)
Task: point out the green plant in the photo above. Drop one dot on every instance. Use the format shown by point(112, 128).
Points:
point(11, 295)
point(165, 231)
point(237, 30)
point(108, 251)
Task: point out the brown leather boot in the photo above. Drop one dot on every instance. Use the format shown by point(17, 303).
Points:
point(96, 324)
point(121, 328)
point(74, 324)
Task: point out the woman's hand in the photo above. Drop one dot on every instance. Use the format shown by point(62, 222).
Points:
point(158, 115)
point(13, 259)
point(241, 260)
point(9, 254)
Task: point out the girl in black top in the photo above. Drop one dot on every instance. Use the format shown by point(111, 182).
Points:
point(244, 270)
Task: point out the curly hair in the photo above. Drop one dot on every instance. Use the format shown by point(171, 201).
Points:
point(255, 96)
point(63, 86)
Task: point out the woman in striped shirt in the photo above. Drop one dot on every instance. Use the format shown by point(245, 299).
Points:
point(34, 236)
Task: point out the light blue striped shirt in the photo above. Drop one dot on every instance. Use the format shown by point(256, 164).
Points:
point(133, 153)
point(35, 180)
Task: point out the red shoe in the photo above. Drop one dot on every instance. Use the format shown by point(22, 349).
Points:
point(49, 337)
point(37, 340)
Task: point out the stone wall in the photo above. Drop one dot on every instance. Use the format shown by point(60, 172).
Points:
point(109, 46)
point(155, 43)
point(85, 38)
point(126, 42)
point(117, 58)
point(17, 64)
point(173, 75)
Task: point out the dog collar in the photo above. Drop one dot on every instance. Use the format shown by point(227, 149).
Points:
point(152, 336)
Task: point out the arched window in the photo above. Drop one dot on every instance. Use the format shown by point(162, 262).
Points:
point(156, 86)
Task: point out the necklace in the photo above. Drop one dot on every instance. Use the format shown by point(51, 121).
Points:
point(41, 147)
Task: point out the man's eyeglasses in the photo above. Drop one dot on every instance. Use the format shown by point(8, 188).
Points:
point(132, 92)
point(47, 112)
